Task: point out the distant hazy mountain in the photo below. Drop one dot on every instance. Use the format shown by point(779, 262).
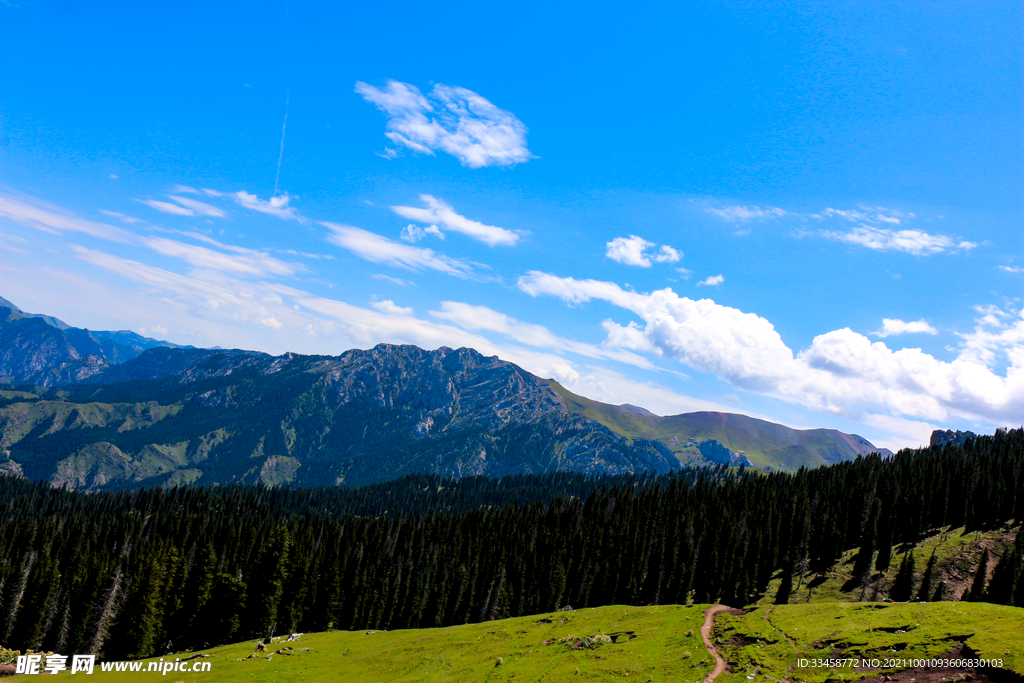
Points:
point(183, 415)
point(46, 351)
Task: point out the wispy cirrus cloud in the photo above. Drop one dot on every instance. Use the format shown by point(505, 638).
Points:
point(739, 214)
point(379, 249)
point(440, 213)
point(450, 119)
point(199, 208)
point(634, 251)
point(249, 262)
point(892, 327)
point(185, 206)
point(167, 207)
point(916, 242)
point(37, 214)
point(866, 214)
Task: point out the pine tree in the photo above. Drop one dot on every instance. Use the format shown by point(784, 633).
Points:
point(786, 588)
point(903, 585)
point(977, 589)
point(925, 592)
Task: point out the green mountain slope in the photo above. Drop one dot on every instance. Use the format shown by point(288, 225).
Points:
point(766, 445)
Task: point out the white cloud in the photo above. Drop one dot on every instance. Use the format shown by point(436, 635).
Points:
point(712, 281)
point(36, 214)
point(984, 346)
point(629, 250)
point(470, 317)
point(451, 119)
point(377, 249)
point(1012, 269)
point(251, 263)
point(915, 242)
point(199, 208)
point(745, 213)
point(185, 206)
point(632, 251)
point(275, 206)
point(841, 371)
point(892, 327)
point(868, 214)
point(438, 211)
point(130, 220)
point(667, 254)
point(414, 233)
point(394, 280)
point(167, 207)
point(389, 306)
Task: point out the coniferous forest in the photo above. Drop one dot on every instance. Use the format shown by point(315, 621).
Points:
point(139, 573)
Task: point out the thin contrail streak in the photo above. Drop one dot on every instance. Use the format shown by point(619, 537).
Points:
point(284, 129)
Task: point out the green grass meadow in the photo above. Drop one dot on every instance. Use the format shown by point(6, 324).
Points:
point(653, 644)
point(766, 643)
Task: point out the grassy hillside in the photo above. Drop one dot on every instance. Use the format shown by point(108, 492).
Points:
point(768, 642)
point(957, 556)
point(766, 444)
point(651, 644)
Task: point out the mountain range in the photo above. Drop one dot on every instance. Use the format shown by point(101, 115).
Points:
point(108, 410)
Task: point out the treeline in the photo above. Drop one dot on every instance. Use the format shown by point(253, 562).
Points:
point(133, 574)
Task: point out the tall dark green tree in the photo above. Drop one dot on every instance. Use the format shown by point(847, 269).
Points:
point(924, 593)
point(903, 585)
point(977, 590)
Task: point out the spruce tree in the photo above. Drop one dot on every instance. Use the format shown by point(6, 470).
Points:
point(925, 592)
point(786, 588)
point(903, 585)
point(977, 589)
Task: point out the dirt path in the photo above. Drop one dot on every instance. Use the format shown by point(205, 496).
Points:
point(705, 633)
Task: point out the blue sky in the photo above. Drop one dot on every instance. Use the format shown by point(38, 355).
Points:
point(806, 212)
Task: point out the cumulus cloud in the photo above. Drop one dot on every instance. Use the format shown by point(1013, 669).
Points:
point(892, 327)
point(633, 251)
point(841, 371)
point(997, 333)
point(452, 120)
point(738, 214)
point(712, 281)
point(915, 242)
point(414, 233)
point(438, 212)
point(275, 206)
point(378, 249)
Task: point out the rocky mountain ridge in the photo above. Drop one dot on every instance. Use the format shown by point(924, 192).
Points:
point(173, 415)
